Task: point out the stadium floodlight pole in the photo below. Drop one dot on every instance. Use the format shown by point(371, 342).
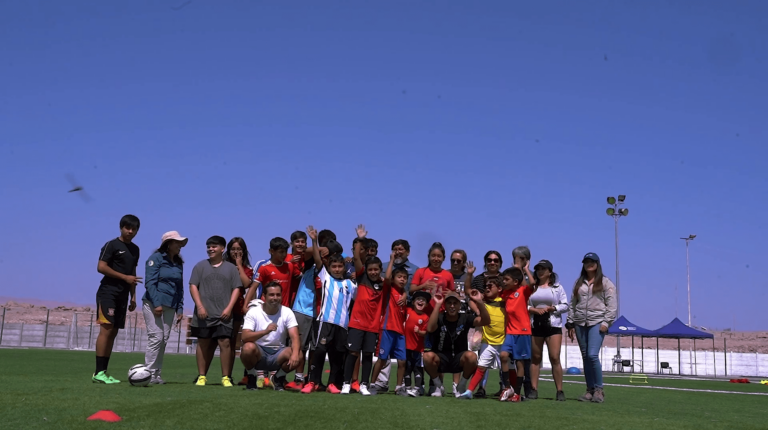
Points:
point(688, 270)
point(616, 212)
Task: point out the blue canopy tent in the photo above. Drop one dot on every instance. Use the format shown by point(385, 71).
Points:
point(624, 327)
point(678, 330)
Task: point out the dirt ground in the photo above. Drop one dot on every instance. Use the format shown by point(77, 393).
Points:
point(62, 314)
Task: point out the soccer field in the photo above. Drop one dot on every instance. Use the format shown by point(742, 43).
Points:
point(52, 389)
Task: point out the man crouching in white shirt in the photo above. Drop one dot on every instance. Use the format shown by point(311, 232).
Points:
point(266, 328)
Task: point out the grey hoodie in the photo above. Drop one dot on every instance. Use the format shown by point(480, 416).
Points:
point(587, 309)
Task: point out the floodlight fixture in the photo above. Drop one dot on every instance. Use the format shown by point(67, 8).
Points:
point(611, 200)
point(622, 197)
point(610, 211)
point(624, 212)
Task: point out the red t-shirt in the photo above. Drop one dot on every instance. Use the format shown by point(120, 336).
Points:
point(414, 342)
point(394, 314)
point(443, 279)
point(368, 308)
point(516, 309)
point(238, 310)
point(283, 275)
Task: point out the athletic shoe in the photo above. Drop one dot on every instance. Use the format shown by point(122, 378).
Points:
point(380, 389)
point(515, 398)
point(438, 392)
point(243, 381)
point(499, 393)
point(560, 397)
point(401, 391)
point(345, 388)
point(456, 390)
point(506, 394)
point(260, 381)
point(157, 381)
point(308, 388)
point(250, 383)
point(278, 384)
point(532, 395)
point(414, 392)
point(364, 390)
point(321, 388)
point(226, 381)
point(465, 395)
point(355, 388)
point(267, 381)
point(598, 396)
point(332, 389)
point(103, 378)
point(201, 380)
point(586, 397)
point(294, 386)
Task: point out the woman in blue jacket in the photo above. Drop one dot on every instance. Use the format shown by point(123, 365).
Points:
point(164, 298)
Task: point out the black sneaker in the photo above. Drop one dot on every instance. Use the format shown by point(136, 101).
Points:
point(251, 384)
point(279, 383)
point(533, 394)
point(560, 397)
point(498, 394)
point(321, 387)
point(480, 393)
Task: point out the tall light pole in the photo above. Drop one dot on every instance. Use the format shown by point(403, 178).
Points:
point(688, 270)
point(616, 212)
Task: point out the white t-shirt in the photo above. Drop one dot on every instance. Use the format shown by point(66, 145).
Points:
point(256, 320)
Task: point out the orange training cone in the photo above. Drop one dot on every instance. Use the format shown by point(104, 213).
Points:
point(107, 416)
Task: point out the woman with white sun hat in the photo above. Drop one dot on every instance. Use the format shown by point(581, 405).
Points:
point(164, 298)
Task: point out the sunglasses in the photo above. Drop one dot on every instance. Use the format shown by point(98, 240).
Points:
point(492, 260)
point(456, 260)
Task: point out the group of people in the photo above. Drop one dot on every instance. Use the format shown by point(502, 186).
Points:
point(307, 303)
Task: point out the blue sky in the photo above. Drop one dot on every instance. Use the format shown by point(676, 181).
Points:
point(482, 125)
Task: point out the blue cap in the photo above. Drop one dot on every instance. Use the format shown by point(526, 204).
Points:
point(590, 256)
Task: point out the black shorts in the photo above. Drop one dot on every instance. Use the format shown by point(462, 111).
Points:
point(413, 359)
point(450, 363)
point(361, 340)
point(215, 332)
point(330, 336)
point(546, 332)
point(111, 306)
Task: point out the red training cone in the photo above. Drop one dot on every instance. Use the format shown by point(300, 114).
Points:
point(107, 416)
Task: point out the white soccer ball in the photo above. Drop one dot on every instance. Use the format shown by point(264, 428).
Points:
point(139, 375)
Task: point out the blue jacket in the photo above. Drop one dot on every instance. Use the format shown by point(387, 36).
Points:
point(164, 281)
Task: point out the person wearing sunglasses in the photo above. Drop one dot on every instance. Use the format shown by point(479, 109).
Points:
point(460, 276)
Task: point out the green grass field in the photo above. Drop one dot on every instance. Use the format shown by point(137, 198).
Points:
point(52, 389)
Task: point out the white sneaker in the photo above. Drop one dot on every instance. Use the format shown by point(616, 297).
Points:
point(439, 391)
point(413, 392)
point(363, 390)
point(456, 390)
point(505, 394)
point(465, 395)
point(345, 388)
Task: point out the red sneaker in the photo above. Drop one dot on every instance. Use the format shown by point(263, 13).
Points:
point(515, 398)
point(294, 386)
point(243, 381)
point(355, 387)
point(266, 382)
point(332, 389)
point(308, 388)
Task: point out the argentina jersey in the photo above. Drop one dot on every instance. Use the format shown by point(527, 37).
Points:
point(337, 295)
point(260, 288)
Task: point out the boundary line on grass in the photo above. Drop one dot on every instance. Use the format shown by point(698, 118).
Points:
point(664, 388)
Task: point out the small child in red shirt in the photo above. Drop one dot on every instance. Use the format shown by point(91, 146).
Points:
point(517, 342)
point(415, 331)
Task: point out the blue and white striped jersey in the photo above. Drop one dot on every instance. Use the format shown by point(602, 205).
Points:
point(337, 295)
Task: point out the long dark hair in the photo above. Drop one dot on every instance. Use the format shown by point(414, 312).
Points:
point(436, 246)
point(552, 278)
point(164, 248)
point(246, 256)
point(597, 286)
point(488, 254)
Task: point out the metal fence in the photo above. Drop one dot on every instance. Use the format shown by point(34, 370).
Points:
point(79, 331)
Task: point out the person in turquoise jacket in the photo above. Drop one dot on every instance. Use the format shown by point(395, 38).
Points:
point(164, 298)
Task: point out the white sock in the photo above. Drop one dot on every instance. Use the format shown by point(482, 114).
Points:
point(399, 387)
point(253, 372)
point(463, 384)
point(438, 383)
point(299, 377)
point(259, 373)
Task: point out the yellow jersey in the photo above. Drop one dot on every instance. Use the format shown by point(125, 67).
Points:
point(493, 333)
